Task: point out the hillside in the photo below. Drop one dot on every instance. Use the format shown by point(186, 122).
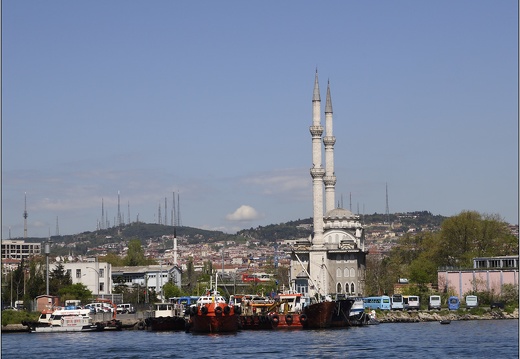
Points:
point(117, 237)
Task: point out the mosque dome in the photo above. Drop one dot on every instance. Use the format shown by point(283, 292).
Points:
point(340, 213)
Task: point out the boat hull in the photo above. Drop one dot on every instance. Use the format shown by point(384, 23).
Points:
point(288, 321)
point(58, 329)
point(214, 318)
point(341, 313)
point(256, 322)
point(166, 323)
point(318, 315)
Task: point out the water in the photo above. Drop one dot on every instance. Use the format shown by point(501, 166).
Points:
point(460, 339)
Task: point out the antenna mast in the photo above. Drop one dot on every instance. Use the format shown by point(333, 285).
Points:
point(102, 214)
point(165, 212)
point(387, 210)
point(178, 210)
point(25, 218)
point(118, 210)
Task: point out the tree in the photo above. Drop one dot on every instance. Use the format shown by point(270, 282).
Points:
point(58, 278)
point(171, 290)
point(36, 283)
point(135, 255)
point(470, 234)
point(75, 291)
point(113, 259)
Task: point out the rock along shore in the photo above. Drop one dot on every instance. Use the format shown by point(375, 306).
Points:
point(416, 317)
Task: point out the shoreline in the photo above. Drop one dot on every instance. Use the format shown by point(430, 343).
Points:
point(418, 317)
point(382, 317)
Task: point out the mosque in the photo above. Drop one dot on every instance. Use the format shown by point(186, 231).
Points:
point(333, 259)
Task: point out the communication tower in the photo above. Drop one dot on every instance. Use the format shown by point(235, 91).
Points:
point(25, 218)
point(387, 212)
point(118, 210)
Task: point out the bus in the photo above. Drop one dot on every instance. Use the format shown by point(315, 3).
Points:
point(435, 302)
point(453, 303)
point(411, 302)
point(471, 301)
point(397, 302)
point(382, 302)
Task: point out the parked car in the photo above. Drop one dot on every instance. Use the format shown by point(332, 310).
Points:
point(125, 308)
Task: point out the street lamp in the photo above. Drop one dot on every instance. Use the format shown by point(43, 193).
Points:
point(95, 270)
point(47, 250)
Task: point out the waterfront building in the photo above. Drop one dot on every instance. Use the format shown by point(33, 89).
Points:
point(333, 259)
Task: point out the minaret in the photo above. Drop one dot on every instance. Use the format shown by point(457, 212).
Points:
point(317, 171)
point(175, 251)
point(329, 140)
point(25, 218)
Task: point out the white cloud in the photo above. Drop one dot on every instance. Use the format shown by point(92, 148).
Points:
point(244, 213)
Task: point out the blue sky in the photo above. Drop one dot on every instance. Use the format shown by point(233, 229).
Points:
point(212, 100)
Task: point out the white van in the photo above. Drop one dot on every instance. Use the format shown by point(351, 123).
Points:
point(471, 301)
point(125, 308)
point(435, 302)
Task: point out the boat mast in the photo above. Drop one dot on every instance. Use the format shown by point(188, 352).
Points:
point(306, 272)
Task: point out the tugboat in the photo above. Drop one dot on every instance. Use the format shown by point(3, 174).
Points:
point(212, 314)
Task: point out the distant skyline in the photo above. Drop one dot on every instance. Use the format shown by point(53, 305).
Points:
point(212, 100)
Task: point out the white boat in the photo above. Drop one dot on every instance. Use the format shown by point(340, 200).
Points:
point(357, 313)
point(65, 320)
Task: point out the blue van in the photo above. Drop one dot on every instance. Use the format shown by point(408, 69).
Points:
point(453, 303)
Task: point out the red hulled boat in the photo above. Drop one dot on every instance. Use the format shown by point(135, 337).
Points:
point(212, 314)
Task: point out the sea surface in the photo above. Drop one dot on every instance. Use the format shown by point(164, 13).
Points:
point(461, 339)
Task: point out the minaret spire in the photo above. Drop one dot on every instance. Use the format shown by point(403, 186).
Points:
point(317, 171)
point(329, 140)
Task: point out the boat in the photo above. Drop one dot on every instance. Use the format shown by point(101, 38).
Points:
point(318, 315)
point(212, 314)
point(255, 311)
point(341, 313)
point(445, 321)
point(166, 316)
point(289, 311)
point(64, 320)
point(357, 316)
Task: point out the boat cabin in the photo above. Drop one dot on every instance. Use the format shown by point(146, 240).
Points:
point(210, 299)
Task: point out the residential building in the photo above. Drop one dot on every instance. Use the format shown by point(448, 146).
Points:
point(19, 249)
